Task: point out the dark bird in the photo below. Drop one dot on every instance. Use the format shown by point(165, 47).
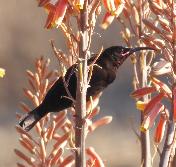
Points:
point(104, 73)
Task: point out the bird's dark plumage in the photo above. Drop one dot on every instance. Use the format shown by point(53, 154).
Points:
point(104, 73)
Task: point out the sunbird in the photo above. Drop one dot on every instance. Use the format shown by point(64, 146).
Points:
point(103, 74)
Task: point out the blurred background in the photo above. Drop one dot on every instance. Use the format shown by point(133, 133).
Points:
point(22, 39)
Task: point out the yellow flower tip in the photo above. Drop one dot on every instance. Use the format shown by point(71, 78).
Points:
point(79, 6)
point(143, 129)
point(2, 72)
point(145, 125)
point(140, 105)
point(104, 26)
point(113, 13)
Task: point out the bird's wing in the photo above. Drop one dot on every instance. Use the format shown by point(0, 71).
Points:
point(98, 81)
point(71, 72)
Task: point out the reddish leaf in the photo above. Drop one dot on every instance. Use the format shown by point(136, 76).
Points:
point(163, 87)
point(149, 119)
point(160, 129)
point(154, 101)
point(143, 91)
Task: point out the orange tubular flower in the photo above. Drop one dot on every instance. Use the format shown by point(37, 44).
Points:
point(56, 13)
point(153, 102)
point(159, 132)
point(159, 2)
point(102, 121)
point(114, 7)
point(95, 157)
point(160, 85)
point(119, 4)
point(149, 119)
point(107, 20)
point(109, 5)
point(143, 91)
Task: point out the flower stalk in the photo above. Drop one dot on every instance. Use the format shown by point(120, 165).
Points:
point(168, 152)
point(80, 126)
point(145, 136)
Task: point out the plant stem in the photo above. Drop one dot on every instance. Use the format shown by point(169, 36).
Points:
point(145, 136)
point(80, 159)
point(169, 145)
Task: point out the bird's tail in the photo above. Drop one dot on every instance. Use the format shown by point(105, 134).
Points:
point(28, 121)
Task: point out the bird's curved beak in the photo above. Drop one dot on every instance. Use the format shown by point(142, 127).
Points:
point(133, 50)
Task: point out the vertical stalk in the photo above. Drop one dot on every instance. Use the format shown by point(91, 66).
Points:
point(80, 159)
point(169, 145)
point(145, 136)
